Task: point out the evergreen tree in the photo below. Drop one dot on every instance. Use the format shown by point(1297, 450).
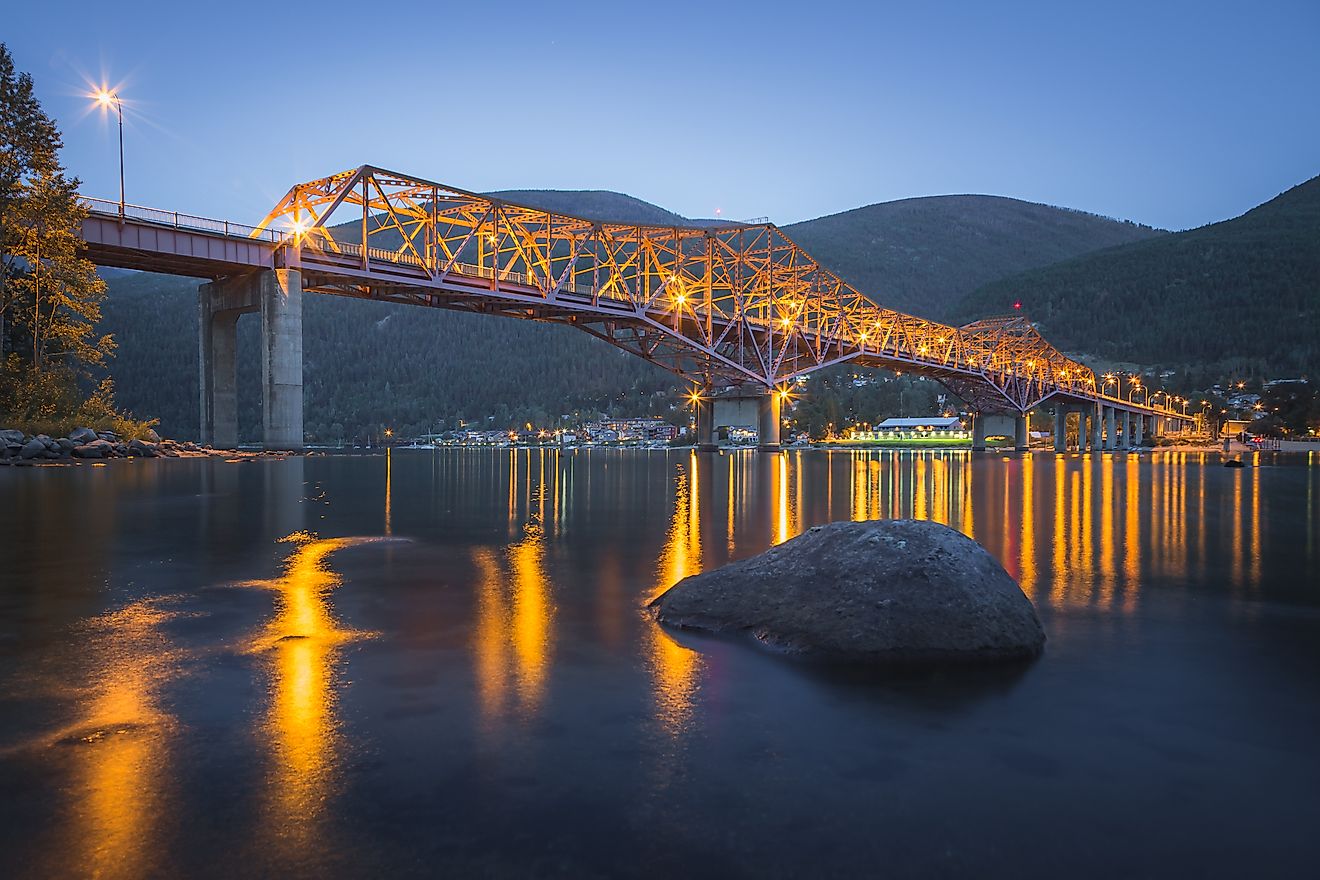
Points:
point(50, 295)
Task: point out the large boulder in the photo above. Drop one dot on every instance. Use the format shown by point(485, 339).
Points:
point(79, 436)
point(141, 449)
point(887, 592)
point(98, 448)
point(10, 436)
point(34, 448)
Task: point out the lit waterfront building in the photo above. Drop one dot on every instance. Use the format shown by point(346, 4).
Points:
point(922, 429)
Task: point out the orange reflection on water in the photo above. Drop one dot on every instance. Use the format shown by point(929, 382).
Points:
point(304, 642)
point(1027, 558)
point(1132, 525)
point(120, 748)
point(490, 646)
point(512, 640)
point(676, 670)
point(532, 612)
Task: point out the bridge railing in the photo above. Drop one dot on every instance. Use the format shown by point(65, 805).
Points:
point(176, 220)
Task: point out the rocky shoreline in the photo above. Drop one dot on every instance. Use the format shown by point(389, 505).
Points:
point(87, 445)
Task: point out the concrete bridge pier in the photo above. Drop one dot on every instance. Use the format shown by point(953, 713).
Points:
point(1060, 428)
point(705, 413)
point(769, 411)
point(1139, 424)
point(1111, 429)
point(282, 359)
point(219, 305)
point(1097, 428)
point(1021, 436)
point(277, 294)
point(996, 425)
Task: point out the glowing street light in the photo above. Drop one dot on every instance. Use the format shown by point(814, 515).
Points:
point(105, 99)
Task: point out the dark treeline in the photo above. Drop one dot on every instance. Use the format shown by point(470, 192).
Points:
point(1238, 298)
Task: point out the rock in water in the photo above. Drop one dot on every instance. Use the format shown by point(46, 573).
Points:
point(884, 592)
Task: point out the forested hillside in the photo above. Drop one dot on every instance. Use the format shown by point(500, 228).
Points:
point(1241, 296)
point(371, 365)
point(922, 256)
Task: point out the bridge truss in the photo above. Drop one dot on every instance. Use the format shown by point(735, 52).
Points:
point(737, 303)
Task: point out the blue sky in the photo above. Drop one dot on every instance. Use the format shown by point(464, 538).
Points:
point(1168, 113)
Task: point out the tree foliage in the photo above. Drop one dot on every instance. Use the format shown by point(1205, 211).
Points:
point(50, 295)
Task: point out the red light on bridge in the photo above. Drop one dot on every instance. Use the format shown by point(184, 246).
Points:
point(1017, 304)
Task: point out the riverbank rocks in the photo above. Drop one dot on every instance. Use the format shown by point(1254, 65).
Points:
point(16, 448)
point(885, 592)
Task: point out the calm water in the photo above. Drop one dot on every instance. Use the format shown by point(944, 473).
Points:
point(439, 664)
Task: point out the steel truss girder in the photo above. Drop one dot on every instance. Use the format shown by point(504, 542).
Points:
point(741, 302)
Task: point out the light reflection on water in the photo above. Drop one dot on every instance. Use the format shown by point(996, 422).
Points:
point(558, 553)
point(302, 643)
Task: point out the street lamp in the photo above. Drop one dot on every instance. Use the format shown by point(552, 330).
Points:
point(106, 98)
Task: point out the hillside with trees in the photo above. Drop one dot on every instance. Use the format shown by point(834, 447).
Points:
point(923, 256)
point(1240, 297)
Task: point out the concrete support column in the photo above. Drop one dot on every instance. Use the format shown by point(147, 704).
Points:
point(1095, 428)
point(219, 305)
point(1083, 430)
point(1022, 438)
point(281, 361)
point(218, 338)
point(768, 413)
point(978, 432)
point(705, 412)
point(1060, 428)
point(1127, 429)
point(1111, 429)
point(1139, 421)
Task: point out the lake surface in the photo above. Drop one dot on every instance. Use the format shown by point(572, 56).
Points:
point(439, 663)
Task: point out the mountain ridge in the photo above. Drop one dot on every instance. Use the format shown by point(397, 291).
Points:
point(1241, 294)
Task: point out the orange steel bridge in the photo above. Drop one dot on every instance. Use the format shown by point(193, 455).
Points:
point(720, 304)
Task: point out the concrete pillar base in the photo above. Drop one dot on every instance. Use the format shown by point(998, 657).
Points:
point(768, 416)
point(281, 362)
point(1022, 439)
point(1060, 429)
point(705, 415)
point(219, 306)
